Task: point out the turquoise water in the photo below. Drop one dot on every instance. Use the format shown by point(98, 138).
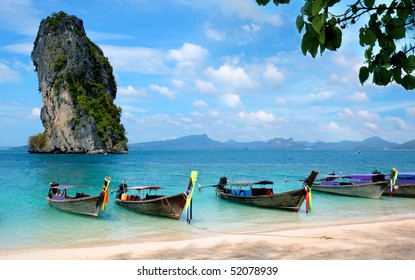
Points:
point(27, 221)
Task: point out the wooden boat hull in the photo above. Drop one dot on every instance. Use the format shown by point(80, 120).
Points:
point(165, 206)
point(368, 190)
point(404, 190)
point(87, 205)
point(290, 201)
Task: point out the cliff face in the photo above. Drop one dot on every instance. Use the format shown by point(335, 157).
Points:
point(78, 89)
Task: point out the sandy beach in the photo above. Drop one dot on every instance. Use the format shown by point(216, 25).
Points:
point(386, 238)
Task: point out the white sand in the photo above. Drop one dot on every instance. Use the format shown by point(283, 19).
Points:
point(388, 238)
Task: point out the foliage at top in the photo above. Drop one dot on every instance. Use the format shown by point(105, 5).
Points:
point(388, 35)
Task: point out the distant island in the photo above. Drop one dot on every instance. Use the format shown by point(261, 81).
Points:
point(203, 142)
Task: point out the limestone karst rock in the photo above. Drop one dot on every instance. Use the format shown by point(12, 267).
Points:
point(78, 88)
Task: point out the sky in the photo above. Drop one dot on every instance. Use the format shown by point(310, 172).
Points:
point(230, 69)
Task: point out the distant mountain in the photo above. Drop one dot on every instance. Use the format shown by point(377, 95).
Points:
point(203, 142)
point(192, 142)
point(375, 143)
point(410, 145)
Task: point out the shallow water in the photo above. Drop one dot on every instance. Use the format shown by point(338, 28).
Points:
point(27, 221)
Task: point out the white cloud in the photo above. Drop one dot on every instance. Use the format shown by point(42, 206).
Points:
point(366, 115)
point(35, 113)
point(256, 117)
point(251, 28)
point(163, 91)
point(332, 126)
point(214, 34)
point(280, 101)
point(347, 113)
point(249, 10)
point(231, 100)
point(19, 48)
point(131, 91)
point(200, 104)
point(188, 54)
point(411, 111)
point(102, 36)
point(231, 76)
point(397, 123)
point(371, 127)
point(136, 59)
point(272, 75)
point(321, 95)
point(205, 86)
point(213, 113)
point(358, 97)
point(177, 83)
point(197, 114)
point(19, 16)
point(8, 74)
point(359, 116)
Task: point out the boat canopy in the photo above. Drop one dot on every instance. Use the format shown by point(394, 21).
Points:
point(367, 176)
point(250, 183)
point(64, 187)
point(406, 175)
point(140, 188)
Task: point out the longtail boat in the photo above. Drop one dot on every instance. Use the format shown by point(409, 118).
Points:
point(402, 184)
point(371, 185)
point(73, 199)
point(146, 200)
point(261, 194)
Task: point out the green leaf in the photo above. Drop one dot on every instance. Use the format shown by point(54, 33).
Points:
point(396, 74)
point(314, 47)
point(369, 3)
point(368, 53)
point(382, 76)
point(262, 2)
point(333, 38)
point(369, 38)
point(306, 9)
point(276, 2)
point(381, 9)
point(316, 23)
point(322, 49)
point(399, 59)
point(363, 74)
point(316, 7)
point(299, 22)
point(403, 13)
point(362, 37)
point(396, 28)
point(408, 82)
point(331, 3)
point(410, 64)
point(305, 43)
point(322, 37)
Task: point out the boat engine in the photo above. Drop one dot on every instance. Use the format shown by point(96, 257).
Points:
point(122, 189)
point(222, 182)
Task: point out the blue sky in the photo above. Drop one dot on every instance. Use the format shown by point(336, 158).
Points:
point(229, 69)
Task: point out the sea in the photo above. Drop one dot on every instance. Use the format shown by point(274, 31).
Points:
point(27, 222)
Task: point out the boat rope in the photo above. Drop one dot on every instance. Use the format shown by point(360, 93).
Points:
point(262, 234)
point(168, 206)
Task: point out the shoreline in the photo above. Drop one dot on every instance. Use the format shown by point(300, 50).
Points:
point(383, 238)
